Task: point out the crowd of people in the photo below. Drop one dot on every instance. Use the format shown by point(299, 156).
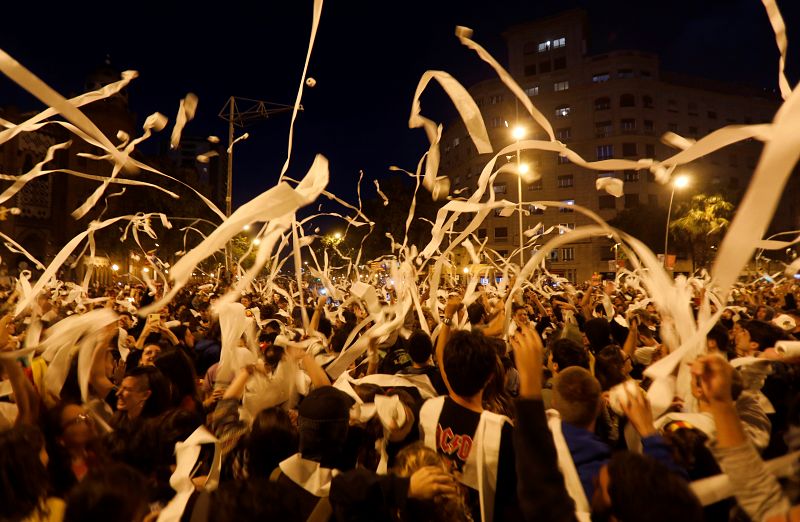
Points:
point(461, 412)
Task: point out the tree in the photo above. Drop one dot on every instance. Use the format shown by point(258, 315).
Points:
point(700, 225)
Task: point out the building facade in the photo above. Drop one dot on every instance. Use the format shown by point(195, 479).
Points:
point(612, 105)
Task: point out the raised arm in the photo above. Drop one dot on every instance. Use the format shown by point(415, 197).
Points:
point(453, 305)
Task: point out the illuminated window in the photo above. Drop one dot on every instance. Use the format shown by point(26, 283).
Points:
point(567, 209)
point(532, 91)
point(605, 152)
point(563, 111)
point(600, 77)
point(568, 254)
point(559, 42)
point(499, 188)
point(566, 181)
point(561, 86)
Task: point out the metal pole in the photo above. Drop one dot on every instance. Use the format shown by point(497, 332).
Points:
point(666, 234)
point(519, 193)
point(229, 187)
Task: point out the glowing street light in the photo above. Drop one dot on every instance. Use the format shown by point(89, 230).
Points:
point(246, 228)
point(518, 132)
point(256, 241)
point(145, 270)
point(115, 267)
point(679, 182)
point(466, 270)
point(337, 235)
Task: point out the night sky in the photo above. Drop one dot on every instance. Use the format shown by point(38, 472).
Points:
point(367, 61)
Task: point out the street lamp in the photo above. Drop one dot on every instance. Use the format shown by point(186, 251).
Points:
point(115, 267)
point(679, 182)
point(518, 132)
point(337, 235)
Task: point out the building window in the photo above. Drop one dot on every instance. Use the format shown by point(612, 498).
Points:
point(607, 202)
point(544, 67)
point(499, 188)
point(651, 178)
point(565, 181)
point(602, 104)
point(554, 255)
point(672, 127)
point(647, 102)
point(629, 149)
point(568, 254)
point(605, 152)
point(631, 200)
point(561, 86)
point(559, 42)
point(563, 228)
point(533, 209)
point(672, 106)
point(652, 200)
point(536, 185)
point(544, 46)
point(650, 150)
point(625, 73)
point(600, 77)
point(532, 91)
point(457, 180)
point(564, 133)
point(712, 115)
point(627, 100)
point(567, 209)
point(627, 125)
point(559, 63)
point(562, 160)
point(530, 70)
point(481, 233)
point(495, 99)
point(648, 127)
point(603, 129)
point(529, 48)
point(563, 111)
point(631, 175)
point(692, 109)
point(497, 122)
point(500, 232)
point(479, 102)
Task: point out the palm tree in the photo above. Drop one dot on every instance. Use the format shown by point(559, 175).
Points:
point(700, 225)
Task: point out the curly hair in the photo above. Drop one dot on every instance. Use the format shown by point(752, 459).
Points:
point(411, 459)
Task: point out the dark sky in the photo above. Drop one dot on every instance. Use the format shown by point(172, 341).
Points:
point(367, 61)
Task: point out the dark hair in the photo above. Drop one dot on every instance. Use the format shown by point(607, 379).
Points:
point(253, 499)
point(576, 396)
point(325, 327)
point(642, 488)
point(112, 492)
point(476, 312)
point(567, 352)
point(469, 362)
point(323, 419)
point(420, 347)
point(176, 366)
point(272, 439)
point(159, 399)
point(23, 477)
point(608, 367)
point(765, 334)
point(339, 338)
point(598, 332)
point(349, 317)
point(720, 335)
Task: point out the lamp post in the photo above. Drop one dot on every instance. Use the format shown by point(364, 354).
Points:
point(518, 133)
point(678, 183)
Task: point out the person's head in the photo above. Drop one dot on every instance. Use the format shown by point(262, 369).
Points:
point(520, 314)
point(325, 327)
point(764, 313)
point(179, 370)
point(633, 488)
point(71, 426)
point(323, 419)
point(272, 439)
point(718, 339)
point(612, 367)
point(753, 336)
point(149, 354)
point(598, 332)
point(245, 300)
point(23, 472)
point(565, 353)
point(469, 361)
point(125, 320)
point(476, 313)
point(111, 492)
point(411, 459)
point(420, 348)
point(144, 391)
point(576, 396)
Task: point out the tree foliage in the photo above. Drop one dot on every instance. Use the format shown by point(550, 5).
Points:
point(700, 225)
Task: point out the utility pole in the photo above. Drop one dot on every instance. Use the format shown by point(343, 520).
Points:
point(240, 112)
